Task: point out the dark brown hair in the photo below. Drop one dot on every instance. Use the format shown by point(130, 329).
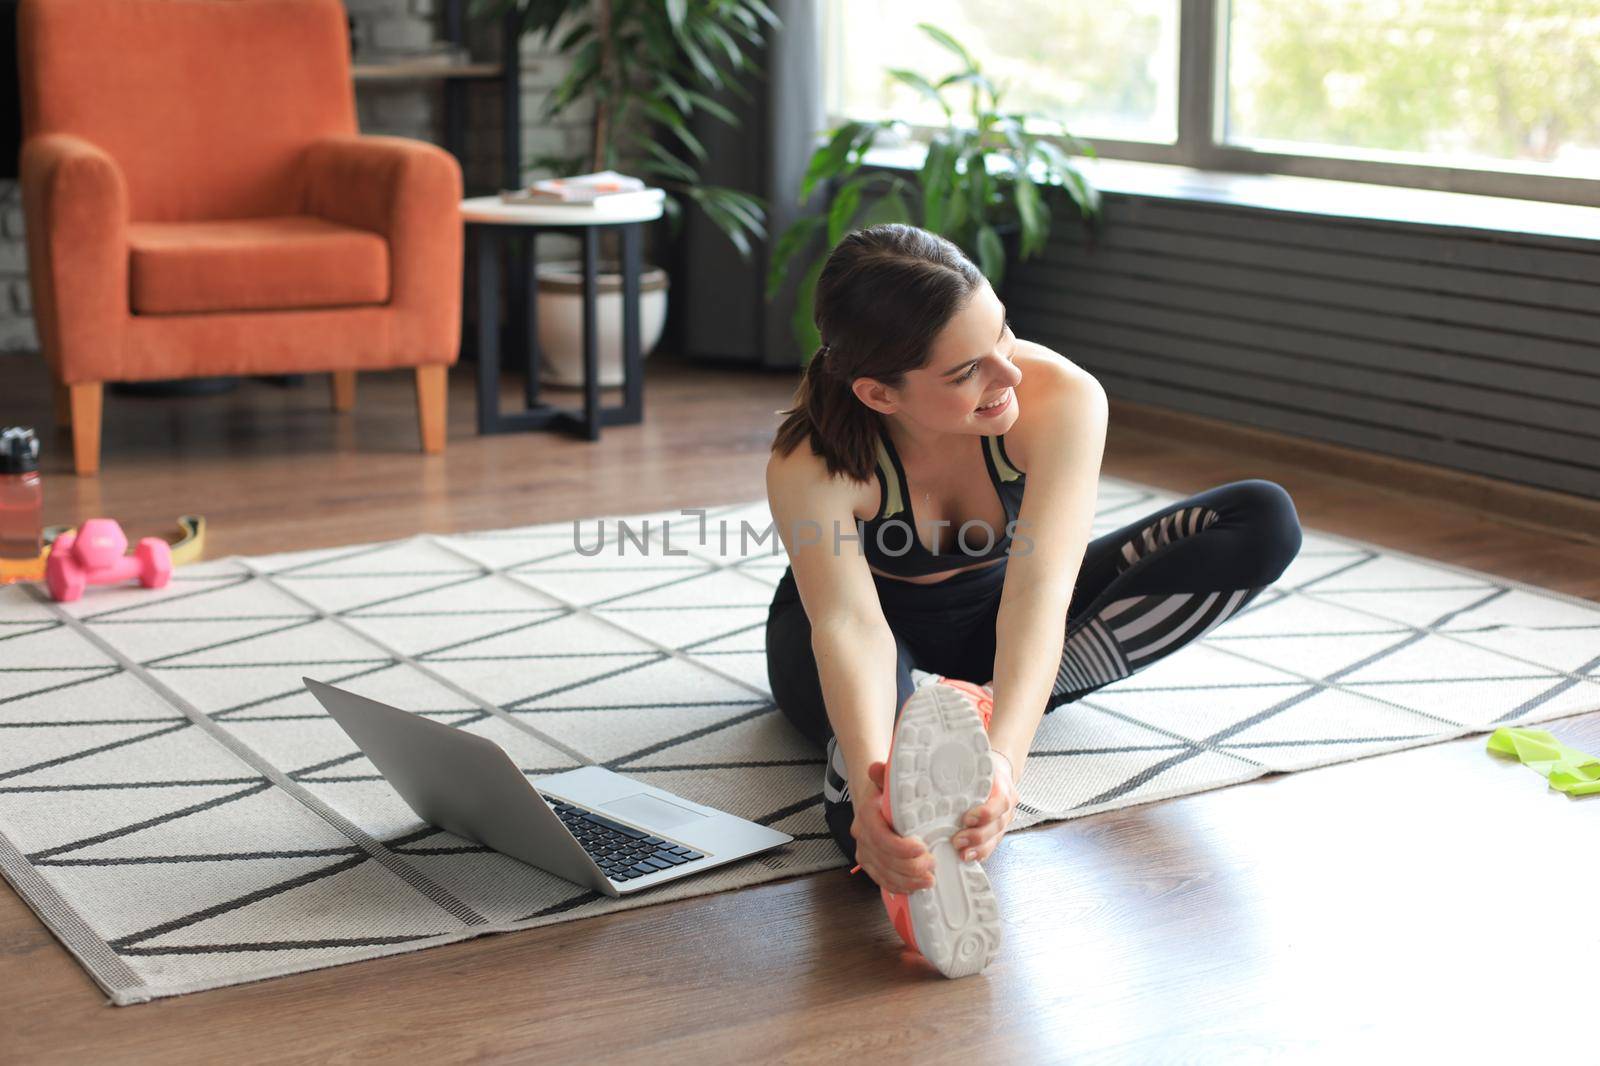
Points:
point(882, 297)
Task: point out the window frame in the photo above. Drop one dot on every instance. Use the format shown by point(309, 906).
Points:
point(1201, 141)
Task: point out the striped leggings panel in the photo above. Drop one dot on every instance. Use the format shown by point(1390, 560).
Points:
point(835, 777)
point(1154, 537)
point(1134, 632)
point(1207, 569)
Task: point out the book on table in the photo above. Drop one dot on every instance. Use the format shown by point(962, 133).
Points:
point(602, 190)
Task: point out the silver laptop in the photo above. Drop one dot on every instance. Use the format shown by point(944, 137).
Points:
point(590, 825)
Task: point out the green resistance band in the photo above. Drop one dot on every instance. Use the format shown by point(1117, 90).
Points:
point(1577, 773)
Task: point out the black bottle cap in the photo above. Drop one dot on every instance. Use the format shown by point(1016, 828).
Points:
point(19, 450)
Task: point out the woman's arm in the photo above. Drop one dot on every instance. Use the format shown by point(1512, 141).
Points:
point(856, 666)
point(850, 637)
point(1063, 441)
point(854, 650)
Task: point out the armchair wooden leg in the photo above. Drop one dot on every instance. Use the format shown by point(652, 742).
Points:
point(433, 397)
point(63, 396)
point(344, 390)
point(83, 402)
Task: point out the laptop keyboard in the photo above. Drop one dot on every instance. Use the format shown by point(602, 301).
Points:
point(622, 851)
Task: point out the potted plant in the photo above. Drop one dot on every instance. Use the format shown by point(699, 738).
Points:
point(981, 185)
point(647, 67)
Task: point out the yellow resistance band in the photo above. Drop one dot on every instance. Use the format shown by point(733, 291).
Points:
point(188, 547)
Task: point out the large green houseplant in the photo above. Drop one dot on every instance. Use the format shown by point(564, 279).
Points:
point(984, 177)
point(648, 67)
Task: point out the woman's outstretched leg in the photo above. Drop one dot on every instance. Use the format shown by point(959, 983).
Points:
point(1157, 584)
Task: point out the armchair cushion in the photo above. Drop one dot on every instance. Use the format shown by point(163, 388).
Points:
point(254, 264)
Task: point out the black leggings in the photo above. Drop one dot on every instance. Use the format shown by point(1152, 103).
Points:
point(1143, 592)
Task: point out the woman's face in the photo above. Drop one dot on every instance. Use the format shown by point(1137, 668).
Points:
point(966, 386)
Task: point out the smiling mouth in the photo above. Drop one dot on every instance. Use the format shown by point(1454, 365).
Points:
point(995, 403)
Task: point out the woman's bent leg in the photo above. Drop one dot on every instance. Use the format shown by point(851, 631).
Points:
point(1155, 585)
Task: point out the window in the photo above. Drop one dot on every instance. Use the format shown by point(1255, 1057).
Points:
point(1106, 69)
point(1486, 96)
point(1458, 81)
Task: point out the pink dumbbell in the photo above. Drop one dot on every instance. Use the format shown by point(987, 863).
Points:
point(96, 555)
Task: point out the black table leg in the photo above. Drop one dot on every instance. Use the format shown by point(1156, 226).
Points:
point(632, 358)
point(591, 339)
point(512, 340)
point(488, 329)
point(531, 322)
point(523, 328)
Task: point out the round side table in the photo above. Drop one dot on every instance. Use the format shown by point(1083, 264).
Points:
point(491, 225)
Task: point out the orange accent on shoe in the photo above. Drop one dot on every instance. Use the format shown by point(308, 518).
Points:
point(980, 695)
point(899, 908)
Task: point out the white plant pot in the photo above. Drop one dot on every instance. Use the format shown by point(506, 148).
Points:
point(561, 320)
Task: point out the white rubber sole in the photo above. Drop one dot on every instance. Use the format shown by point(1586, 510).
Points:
point(940, 769)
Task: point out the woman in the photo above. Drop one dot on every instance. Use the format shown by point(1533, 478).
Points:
point(938, 519)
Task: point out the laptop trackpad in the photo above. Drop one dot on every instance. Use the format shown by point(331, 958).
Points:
point(647, 809)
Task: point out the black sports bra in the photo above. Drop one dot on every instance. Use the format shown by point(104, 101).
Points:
point(890, 543)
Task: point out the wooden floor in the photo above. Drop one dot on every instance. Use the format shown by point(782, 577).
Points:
point(1436, 902)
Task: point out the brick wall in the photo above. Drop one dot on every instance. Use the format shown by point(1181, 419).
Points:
point(401, 109)
point(16, 313)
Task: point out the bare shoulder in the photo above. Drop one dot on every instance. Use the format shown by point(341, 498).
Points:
point(1051, 383)
point(1047, 376)
point(800, 485)
point(800, 473)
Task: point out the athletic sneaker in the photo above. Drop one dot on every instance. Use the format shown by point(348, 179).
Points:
point(938, 769)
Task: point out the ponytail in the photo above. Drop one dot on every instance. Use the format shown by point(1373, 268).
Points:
point(826, 413)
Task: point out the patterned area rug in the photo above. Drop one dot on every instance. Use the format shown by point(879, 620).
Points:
point(183, 815)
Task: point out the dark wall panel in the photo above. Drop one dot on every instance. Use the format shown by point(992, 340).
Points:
point(1471, 349)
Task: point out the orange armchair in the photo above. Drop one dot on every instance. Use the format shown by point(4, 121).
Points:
point(198, 201)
